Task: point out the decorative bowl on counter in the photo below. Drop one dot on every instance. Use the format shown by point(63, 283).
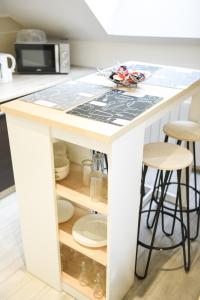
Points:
point(125, 76)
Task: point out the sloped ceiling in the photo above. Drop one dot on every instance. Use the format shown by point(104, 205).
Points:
point(3, 11)
point(135, 18)
point(61, 18)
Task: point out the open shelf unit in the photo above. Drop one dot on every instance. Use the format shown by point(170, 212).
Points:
point(38, 200)
point(73, 189)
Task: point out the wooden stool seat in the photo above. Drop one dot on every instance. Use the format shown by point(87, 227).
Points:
point(183, 130)
point(166, 156)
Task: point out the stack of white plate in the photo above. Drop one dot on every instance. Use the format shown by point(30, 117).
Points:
point(65, 210)
point(91, 231)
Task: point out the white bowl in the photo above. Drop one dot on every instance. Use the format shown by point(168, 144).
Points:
point(62, 167)
point(65, 210)
point(60, 162)
point(61, 175)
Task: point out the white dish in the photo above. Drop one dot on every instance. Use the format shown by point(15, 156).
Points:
point(62, 167)
point(65, 210)
point(60, 162)
point(91, 231)
point(61, 175)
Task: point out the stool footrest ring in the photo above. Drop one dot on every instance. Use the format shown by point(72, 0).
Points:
point(169, 247)
point(178, 210)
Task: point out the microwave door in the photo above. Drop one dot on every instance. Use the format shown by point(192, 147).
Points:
point(36, 58)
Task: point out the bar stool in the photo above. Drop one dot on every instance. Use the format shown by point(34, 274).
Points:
point(188, 132)
point(165, 157)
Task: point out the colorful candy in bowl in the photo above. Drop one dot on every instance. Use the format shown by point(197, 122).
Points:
point(126, 77)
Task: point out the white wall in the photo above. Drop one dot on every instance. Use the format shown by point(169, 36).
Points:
point(90, 45)
point(3, 10)
point(176, 52)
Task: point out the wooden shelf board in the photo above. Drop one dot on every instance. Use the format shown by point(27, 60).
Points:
point(65, 237)
point(73, 189)
point(73, 282)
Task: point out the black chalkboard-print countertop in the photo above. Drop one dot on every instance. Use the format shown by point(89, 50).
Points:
point(115, 107)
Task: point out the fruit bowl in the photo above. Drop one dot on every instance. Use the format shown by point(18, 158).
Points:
point(124, 76)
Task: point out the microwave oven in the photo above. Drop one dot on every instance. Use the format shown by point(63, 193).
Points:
point(45, 58)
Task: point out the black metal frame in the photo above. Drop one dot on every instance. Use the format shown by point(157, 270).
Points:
point(164, 181)
point(197, 195)
point(161, 210)
point(175, 210)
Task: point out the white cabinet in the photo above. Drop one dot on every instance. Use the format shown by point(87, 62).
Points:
point(32, 154)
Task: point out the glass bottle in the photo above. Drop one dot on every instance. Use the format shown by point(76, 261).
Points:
point(95, 268)
point(96, 178)
point(98, 162)
point(83, 277)
point(98, 290)
point(73, 263)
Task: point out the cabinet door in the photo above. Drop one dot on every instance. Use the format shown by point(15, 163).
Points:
point(6, 171)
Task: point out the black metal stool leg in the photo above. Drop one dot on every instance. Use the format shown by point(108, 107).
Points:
point(188, 215)
point(166, 139)
point(197, 205)
point(186, 258)
point(195, 172)
point(176, 203)
point(175, 213)
point(152, 199)
point(158, 210)
point(144, 171)
point(106, 161)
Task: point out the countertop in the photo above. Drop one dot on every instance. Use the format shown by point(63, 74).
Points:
point(23, 84)
point(100, 130)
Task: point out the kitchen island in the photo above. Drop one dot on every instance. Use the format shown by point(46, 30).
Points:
point(33, 128)
point(21, 85)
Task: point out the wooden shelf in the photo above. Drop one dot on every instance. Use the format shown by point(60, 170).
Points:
point(65, 237)
point(74, 283)
point(73, 189)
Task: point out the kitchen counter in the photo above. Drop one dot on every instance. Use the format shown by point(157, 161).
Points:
point(23, 84)
point(32, 129)
point(103, 130)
